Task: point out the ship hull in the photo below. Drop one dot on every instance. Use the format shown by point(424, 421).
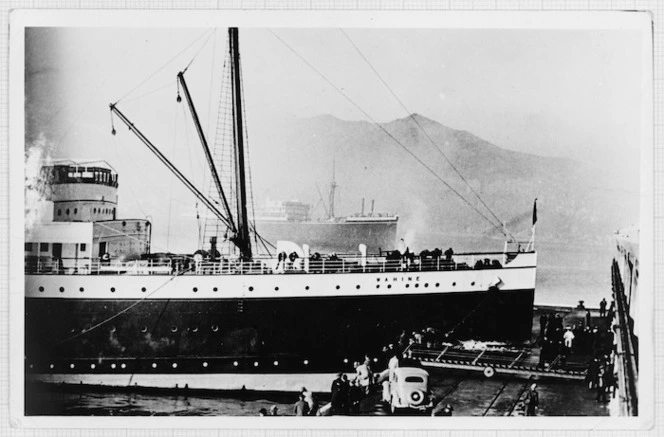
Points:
point(332, 236)
point(154, 330)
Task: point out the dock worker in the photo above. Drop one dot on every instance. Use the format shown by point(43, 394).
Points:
point(568, 337)
point(602, 308)
point(532, 400)
point(363, 376)
point(301, 407)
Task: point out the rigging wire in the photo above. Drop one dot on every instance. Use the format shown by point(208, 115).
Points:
point(214, 31)
point(163, 66)
point(437, 147)
point(359, 108)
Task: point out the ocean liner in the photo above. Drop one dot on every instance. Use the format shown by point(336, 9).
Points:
point(292, 220)
point(101, 309)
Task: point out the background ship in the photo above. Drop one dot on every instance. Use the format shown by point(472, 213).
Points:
point(292, 221)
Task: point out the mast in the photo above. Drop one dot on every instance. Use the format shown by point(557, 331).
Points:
point(333, 187)
point(242, 240)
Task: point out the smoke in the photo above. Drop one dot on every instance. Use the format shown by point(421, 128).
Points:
point(36, 186)
point(416, 227)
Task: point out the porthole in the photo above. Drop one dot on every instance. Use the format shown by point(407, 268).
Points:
point(472, 283)
point(426, 284)
point(113, 366)
point(357, 286)
point(215, 328)
point(276, 288)
point(92, 366)
point(144, 329)
point(175, 365)
point(81, 289)
point(41, 289)
point(124, 223)
point(251, 288)
point(123, 365)
point(174, 328)
point(75, 211)
point(205, 364)
point(453, 284)
point(276, 363)
point(407, 285)
point(154, 365)
point(306, 362)
point(51, 366)
point(143, 289)
point(62, 289)
point(437, 284)
point(306, 288)
point(389, 285)
point(417, 285)
point(338, 287)
point(67, 212)
point(235, 363)
point(195, 289)
point(255, 363)
point(112, 289)
point(377, 285)
point(71, 366)
point(215, 289)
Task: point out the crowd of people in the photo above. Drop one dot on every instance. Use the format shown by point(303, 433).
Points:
point(583, 338)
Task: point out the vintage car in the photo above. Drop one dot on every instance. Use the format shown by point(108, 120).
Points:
point(409, 390)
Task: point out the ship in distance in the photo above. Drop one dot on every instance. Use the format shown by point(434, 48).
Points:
point(291, 220)
point(101, 309)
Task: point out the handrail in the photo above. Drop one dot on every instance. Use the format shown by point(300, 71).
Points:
point(353, 263)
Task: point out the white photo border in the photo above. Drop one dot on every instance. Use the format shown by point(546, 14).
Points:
point(22, 19)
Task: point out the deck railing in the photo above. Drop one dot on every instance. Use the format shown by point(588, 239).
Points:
point(353, 263)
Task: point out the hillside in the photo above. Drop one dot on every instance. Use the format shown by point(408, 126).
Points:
point(576, 202)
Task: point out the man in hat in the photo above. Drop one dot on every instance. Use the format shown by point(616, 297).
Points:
point(532, 400)
point(338, 394)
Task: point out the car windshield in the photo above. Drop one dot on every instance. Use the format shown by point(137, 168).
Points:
point(414, 379)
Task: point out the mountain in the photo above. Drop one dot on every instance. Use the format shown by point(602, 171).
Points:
point(577, 202)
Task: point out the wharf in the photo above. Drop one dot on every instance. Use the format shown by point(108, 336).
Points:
point(522, 361)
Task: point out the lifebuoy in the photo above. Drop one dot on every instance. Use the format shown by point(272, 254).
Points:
point(489, 371)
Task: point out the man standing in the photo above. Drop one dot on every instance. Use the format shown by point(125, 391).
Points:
point(568, 336)
point(338, 394)
point(532, 400)
point(301, 407)
point(602, 308)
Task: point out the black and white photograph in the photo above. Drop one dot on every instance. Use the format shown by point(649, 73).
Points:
point(394, 218)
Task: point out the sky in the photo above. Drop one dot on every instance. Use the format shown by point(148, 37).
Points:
point(563, 93)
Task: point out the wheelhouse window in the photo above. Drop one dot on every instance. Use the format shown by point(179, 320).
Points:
point(83, 247)
point(28, 247)
point(43, 247)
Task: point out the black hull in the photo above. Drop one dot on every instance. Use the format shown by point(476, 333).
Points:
point(312, 334)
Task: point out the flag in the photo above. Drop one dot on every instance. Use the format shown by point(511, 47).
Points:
point(535, 213)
